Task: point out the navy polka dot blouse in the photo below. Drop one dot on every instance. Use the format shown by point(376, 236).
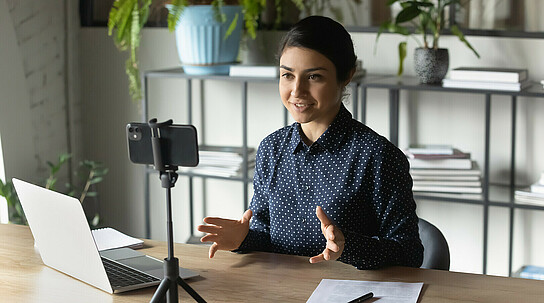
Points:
point(360, 180)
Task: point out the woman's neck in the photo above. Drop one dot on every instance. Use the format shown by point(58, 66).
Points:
point(312, 130)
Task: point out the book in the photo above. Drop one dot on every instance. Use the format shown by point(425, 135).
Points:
point(526, 196)
point(242, 70)
point(430, 149)
point(537, 188)
point(223, 151)
point(532, 272)
point(447, 183)
point(109, 238)
point(440, 163)
point(457, 154)
point(489, 74)
point(526, 192)
point(464, 196)
point(417, 177)
point(448, 189)
point(474, 171)
point(502, 86)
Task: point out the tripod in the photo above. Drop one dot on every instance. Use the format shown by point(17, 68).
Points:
point(168, 288)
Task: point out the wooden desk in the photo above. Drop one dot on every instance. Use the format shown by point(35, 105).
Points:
point(230, 277)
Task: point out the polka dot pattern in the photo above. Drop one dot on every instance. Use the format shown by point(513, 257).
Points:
point(358, 177)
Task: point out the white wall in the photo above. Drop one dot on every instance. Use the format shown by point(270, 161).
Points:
point(33, 103)
point(425, 117)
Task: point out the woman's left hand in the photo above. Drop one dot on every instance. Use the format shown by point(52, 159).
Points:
point(334, 236)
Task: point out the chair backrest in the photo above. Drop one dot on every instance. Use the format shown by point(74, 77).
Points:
point(437, 253)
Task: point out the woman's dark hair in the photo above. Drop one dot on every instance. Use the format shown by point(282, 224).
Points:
point(327, 37)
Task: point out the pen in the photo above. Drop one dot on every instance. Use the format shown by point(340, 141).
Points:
point(362, 298)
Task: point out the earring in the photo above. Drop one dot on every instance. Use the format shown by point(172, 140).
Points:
point(292, 93)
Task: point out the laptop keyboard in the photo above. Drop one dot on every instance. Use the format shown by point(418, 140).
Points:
point(121, 275)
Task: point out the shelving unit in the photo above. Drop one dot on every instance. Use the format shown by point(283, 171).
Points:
point(243, 83)
point(501, 196)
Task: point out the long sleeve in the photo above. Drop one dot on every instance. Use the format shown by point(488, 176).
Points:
point(397, 241)
point(258, 237)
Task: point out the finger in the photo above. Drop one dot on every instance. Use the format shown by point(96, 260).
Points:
point(213, 249)
point(330, 233)
point(333, 246)
point(216, 221)
point(210, 238)
point(322, 216)
point(210, 229)
point(317, 259)
point(247, 216)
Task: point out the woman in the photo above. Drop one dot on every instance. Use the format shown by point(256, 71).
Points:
point(327, 186)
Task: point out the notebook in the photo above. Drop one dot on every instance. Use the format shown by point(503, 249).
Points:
point(109, 238)
point(65, 243)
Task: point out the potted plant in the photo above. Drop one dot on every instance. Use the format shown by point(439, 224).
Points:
point(89, 172)
point(127, 18)
point(427, 17)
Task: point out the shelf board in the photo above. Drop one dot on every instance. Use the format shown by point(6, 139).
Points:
point(413, 83)
point(499, 195)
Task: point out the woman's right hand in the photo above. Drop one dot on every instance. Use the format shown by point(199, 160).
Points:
point(226, 234)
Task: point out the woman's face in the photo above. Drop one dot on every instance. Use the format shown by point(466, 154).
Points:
point(308, 86)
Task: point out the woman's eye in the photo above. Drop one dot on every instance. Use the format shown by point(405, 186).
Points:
point(287, 76)
point(314, 77)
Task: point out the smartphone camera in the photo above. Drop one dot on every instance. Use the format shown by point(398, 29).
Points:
point(134, 133)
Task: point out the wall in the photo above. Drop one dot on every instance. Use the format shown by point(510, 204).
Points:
point(426, 117)
point(36, 127)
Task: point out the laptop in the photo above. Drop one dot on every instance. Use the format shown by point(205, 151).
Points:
point(65, 243)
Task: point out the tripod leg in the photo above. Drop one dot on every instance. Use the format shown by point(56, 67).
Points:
point(190, 291)
point(160, 293)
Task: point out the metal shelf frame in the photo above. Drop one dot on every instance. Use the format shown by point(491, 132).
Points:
point(395, 84)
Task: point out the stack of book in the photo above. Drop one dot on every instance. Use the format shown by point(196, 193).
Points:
point(244, 70)
point(222, 161)
point(504, 79)
point(534, 195)
point(443, 169)
point(530, 272)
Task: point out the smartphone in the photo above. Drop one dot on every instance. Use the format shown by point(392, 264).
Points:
point(179, 144)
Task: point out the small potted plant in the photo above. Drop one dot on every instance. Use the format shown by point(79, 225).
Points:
point(427, 17)
point(128, 17)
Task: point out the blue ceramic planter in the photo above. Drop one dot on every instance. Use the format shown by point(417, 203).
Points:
point(200, 38)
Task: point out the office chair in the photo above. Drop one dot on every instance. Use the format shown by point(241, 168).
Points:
point(437, 253)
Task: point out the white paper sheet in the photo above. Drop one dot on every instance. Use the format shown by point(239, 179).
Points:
point(108, 238)
point(339, 291)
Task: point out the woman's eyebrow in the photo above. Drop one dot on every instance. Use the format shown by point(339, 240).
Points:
point(313, 69)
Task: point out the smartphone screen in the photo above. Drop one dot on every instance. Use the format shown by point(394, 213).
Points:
point(179, 144)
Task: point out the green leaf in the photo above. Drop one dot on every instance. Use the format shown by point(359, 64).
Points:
point(96, 220)
point(382, 28)
point(232, 27)
point(456, 31)
point(96, 180)
point(399, 29)
point(92, 194)
point(402, 56)
point(407, 14)
point(175, 10)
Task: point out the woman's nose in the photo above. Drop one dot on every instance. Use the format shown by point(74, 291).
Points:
point(298, 89)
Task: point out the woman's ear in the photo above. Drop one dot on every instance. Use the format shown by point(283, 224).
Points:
point(351, 73)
